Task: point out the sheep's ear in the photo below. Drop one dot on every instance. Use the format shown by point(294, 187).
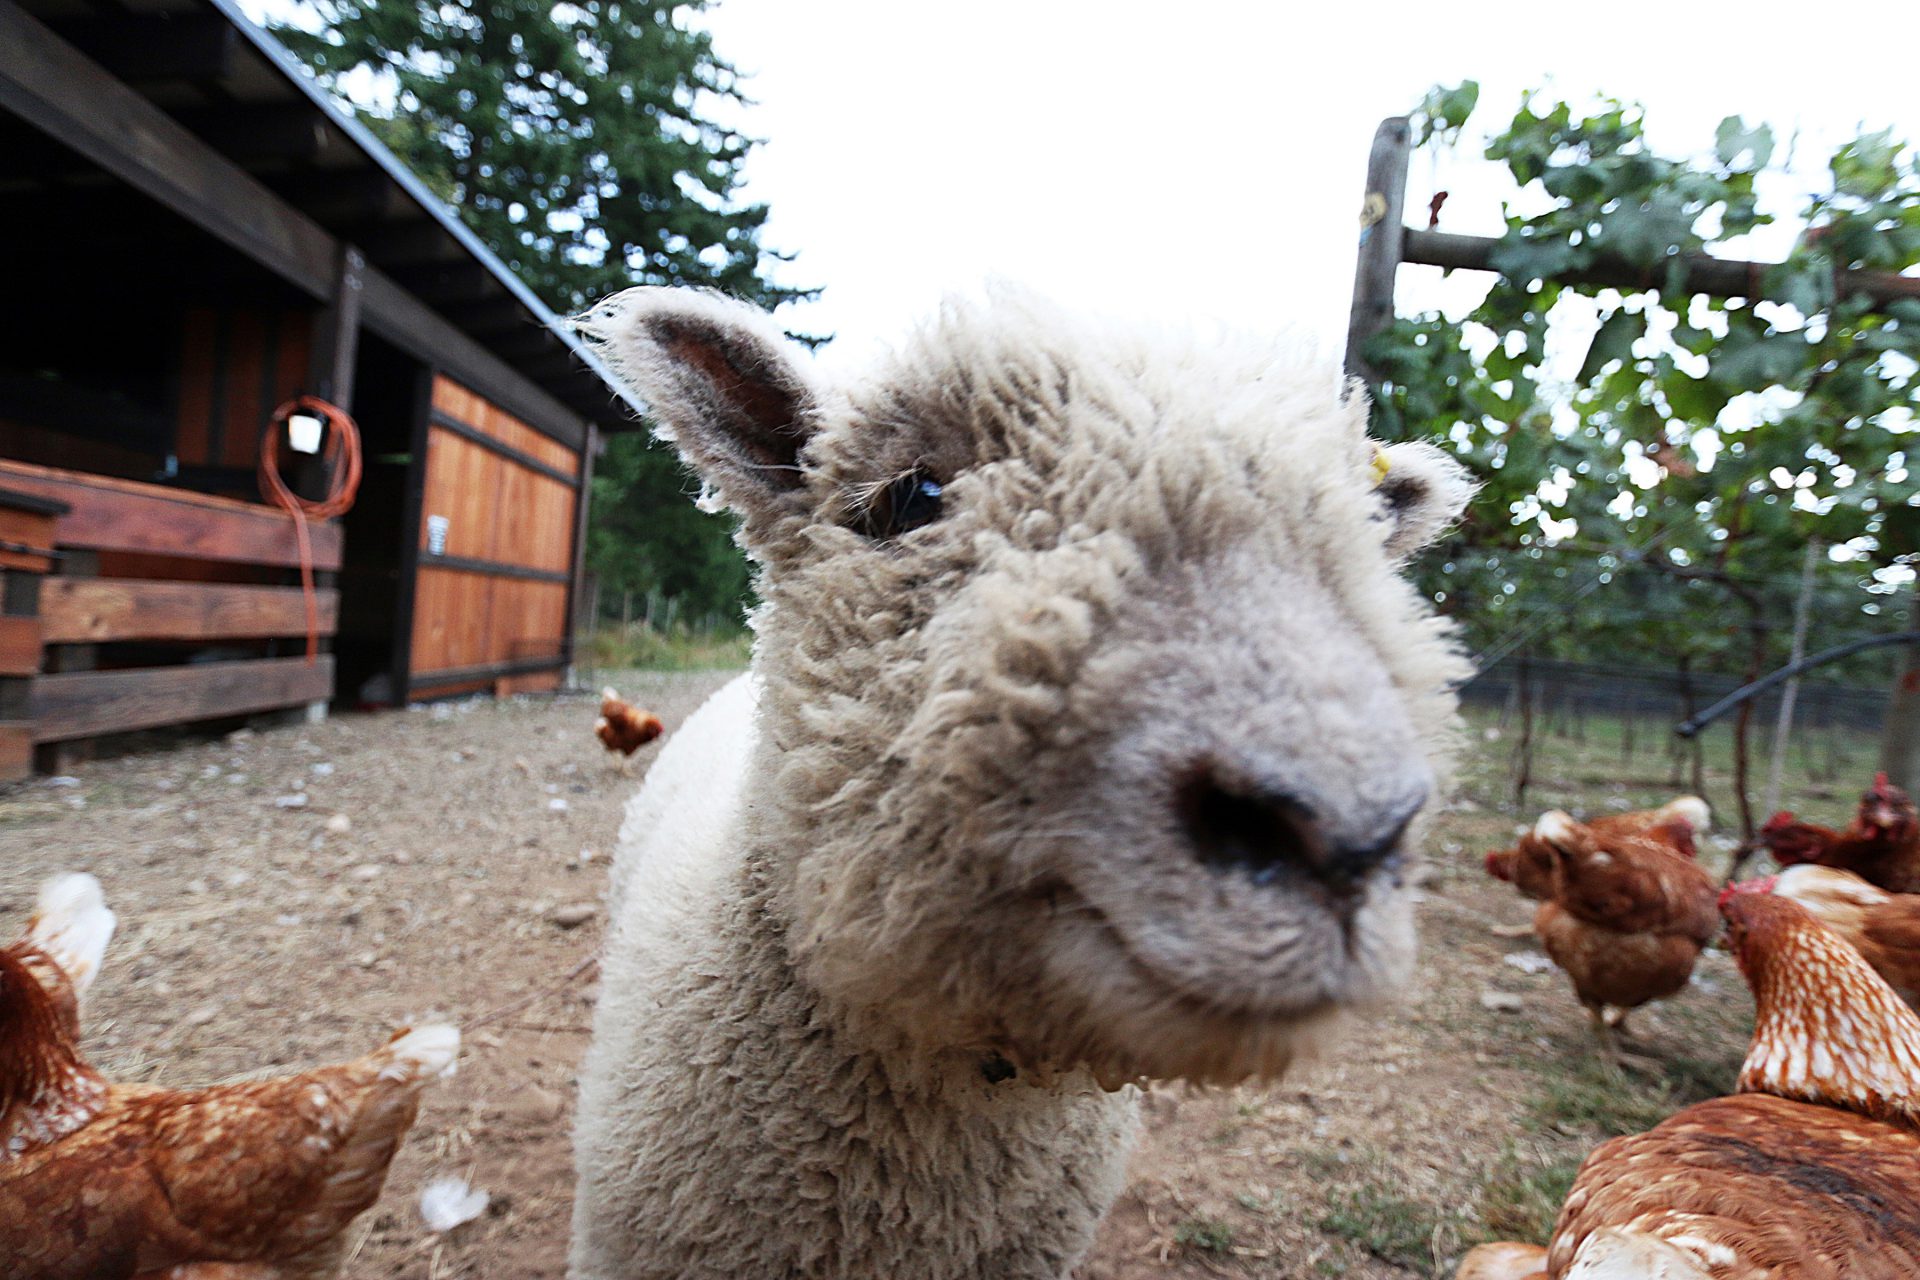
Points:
point(721, 381)
point(1424, 490)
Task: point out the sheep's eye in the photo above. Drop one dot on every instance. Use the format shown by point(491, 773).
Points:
point(901, 507)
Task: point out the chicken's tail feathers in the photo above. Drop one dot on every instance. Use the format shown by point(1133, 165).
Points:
point(422, 1053)
point(1614, 1254)
point(72, 926)
point(1503, 1261)
point(1555, 826)
point(1692, 810)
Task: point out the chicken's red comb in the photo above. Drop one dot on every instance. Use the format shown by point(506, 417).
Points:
point(1763, 885)
point(1495, 864)
point(1782, 819)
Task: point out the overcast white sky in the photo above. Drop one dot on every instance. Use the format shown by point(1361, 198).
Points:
point(1205, 159)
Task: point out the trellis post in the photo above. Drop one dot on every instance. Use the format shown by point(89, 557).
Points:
point(1382, 239)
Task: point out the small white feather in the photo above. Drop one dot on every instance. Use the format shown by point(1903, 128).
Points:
point(424, 1053)
point(1555, 826)
point(447, 1202)
point(72, 925)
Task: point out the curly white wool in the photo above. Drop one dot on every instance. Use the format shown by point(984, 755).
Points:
point(896, 917)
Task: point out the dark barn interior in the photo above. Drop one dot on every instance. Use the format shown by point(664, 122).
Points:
point(210, 238)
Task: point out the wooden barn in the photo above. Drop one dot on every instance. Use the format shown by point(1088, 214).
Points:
point(197, 236)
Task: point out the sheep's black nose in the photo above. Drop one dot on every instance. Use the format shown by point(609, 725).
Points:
point(1263, 831)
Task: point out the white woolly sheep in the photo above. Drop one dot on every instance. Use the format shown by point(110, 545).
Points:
point(1087, 719)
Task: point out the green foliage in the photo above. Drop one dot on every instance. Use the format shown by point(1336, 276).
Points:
point(640, 647)
point(579, 141)
point(1209, 1235)
point(1392, 1227)
point(1523, 1194)
point(1703, 441)
point(1589, 1096)
point(647, 538)
point(1444, 112)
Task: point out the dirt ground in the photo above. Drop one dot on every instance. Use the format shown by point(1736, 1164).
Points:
point(289, 896)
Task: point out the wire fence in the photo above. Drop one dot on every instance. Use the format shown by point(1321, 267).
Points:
point(1622, 719)
point(1566, 694)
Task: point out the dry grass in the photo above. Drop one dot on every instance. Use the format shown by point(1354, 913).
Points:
point(253, 938)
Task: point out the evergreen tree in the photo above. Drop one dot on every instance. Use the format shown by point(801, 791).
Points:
point(577, 139)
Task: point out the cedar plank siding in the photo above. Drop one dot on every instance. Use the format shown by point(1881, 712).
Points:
point(506, 516)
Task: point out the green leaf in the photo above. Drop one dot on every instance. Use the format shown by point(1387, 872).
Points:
point(1803, 284)
point(1645, 234)
point(1734, 139)
point(1697, 400)
point(1614, 341)
point(1865, 167)
point(1750, 361)
point(1526, 258)
point(1444, 111)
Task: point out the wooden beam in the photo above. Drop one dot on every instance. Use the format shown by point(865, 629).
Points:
point(255, 131)
point(527, 344)
point(97, 610)
point(1382, 220)
point(452, 282)
point(501, 315)
point(1701, 273)
point(54, 87)
point(411, 325)
point(355, 196)
point(59, 91)
point(124, 515)
point(403, 244)
point(84, 704)
point(336, 333)
point(582, 500)
point(161, 46)
point(19, 646)
point(491, 568)
point(486, 671)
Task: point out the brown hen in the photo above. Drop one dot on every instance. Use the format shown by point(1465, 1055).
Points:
point(1881, 845)
point(110, 1182)
point(1528, 865)
point(1811, 1172)
point(624, 728)
point(1626, 920)
point(1883, 927)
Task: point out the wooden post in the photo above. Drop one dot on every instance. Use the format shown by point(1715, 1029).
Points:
point(401, 663)
point(330, 369)
point(583, 498)
point(1382, 234)
point(27, 537)
point(336, 332)
point(1523, 756)
point(1783, 721)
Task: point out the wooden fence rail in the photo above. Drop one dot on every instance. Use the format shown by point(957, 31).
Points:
point(140, 624)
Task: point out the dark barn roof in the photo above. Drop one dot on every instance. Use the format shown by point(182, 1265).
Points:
point(286, 176)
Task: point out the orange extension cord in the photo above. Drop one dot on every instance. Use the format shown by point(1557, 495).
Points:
point(340, 451)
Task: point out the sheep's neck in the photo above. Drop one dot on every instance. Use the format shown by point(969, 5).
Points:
point(882, 1153)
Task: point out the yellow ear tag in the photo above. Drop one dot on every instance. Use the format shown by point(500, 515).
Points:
point(1381, 465)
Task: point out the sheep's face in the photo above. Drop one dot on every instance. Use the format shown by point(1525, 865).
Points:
point(1096, 713)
